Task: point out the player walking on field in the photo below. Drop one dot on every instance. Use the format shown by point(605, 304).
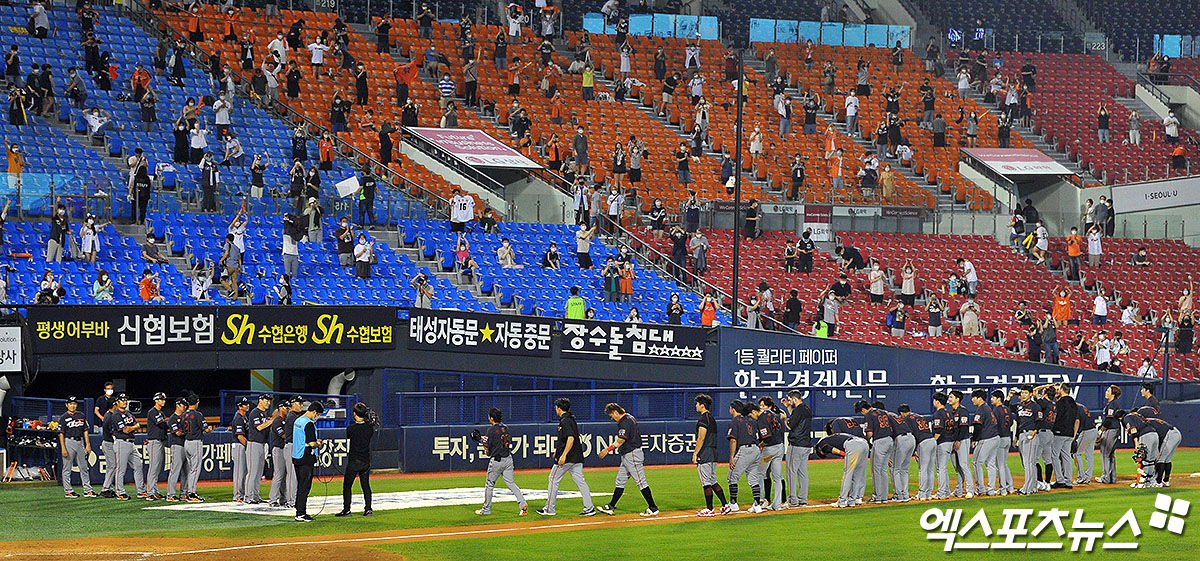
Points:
point(926, 447)
point(770, 435)
point(498, 444)
point(568, 454)
point(744, 453)
point(633, 459)
point(705, 457)
point(854, 465)
point(879, 432)
point(799, 425)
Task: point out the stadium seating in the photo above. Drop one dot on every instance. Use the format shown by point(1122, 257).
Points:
point(1018, 23)
point(1129, 25)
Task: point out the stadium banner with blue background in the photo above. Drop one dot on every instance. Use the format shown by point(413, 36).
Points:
point(771, 363)
point(764, 30)
point(658, 25)
point(450, 448)
point(115, 329)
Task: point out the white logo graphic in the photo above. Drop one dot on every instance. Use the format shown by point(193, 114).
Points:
point(1169, 513)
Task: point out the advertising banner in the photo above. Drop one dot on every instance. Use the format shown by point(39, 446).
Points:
point(109, 329)
point(475, 147)
point(1155, 195)
point(633, 342)
point(453, 331)
point(818, 218)
point(1017, 161)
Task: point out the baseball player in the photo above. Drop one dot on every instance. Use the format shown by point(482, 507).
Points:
point(1029, 416)
point(498, 444)
point(1147, 392)
point(854, 466)
point(799, 440)
point(1004, 421)
point(744, 453)
point(1110, 432)
point(705, 457)
point(568, 454)
point(238, 451)
point(1065, 427)
point(985, 439)
point(280, 457)
point(123, 427)
point(1156, 437)
point(904, 444)
point(1045, 436)
point(258, 433)
point(844, 425)
point(1085, 445)
point(633, 459)
point(926, 449)
point(297, 409)
point(194, 427)
point(110, 453)
point(880, 433)
point(175, 434)
point(770, 435)
point(962, 445)
point(157, 425)
point(73, 440)
point(944, 431)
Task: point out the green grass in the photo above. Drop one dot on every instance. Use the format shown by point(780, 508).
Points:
point(880, 532)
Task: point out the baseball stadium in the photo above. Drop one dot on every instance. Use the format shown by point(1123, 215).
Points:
point(641, 279)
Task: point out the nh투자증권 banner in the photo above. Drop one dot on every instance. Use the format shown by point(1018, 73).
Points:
point(633, 342)
point(455, 331)
point(107, 329)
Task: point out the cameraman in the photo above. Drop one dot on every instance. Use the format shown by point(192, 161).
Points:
point(359, 458)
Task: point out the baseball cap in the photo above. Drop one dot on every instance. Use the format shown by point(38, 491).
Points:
point(243, 401)
point(181, 401)
point(122, 397)
point(297, 399)
point(160, 395)
point(283, 404)
point(264, 396)
point(72, 399)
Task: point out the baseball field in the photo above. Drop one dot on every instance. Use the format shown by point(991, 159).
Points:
point(431, 517)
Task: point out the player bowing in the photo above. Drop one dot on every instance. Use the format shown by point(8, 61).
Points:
point(705, 457)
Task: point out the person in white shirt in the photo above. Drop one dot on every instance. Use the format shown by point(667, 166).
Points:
point(969, 273)
point(197, 142)
point(278, 49)
point(201, 282)
point(634, 316)
point(851, 114)
point(234, 154)
point(697, 87)
point(237, 227)
point(89, 238)
point(291, 249)
point(1128, 316)
point(616, 200)
point(1146, 370)
point(98, 121)
point(1095, 249)
point(1099, 310)
point(1103, 348)
point(462, 210)
point(1171, 127)
point(221, 109)
point(318, 49)
point(363, 252)
point(270, 72)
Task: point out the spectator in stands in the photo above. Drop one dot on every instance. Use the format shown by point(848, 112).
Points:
point(201, 282)
point(294, 230)
point(1061, 312)
point(1042, 245)
point(835, 163)
point(550, 258)
point(50, 291)
point(1074, 254)
point(1049, 335)
point(232, 258)
point(1081, 346)
point(1102, 122)
point(691, 212)
point(699, 248)
point(99, 121)
point(1033, 342)
point(939, 131)
point(1184, 304)
point(102, 287)
point(1185, 334)
point(1103, 350)
point(1099, 310)
point(59, 230)
point(851, 258)
point(576, 306)
point(1023, 316)
point(682, 165)
point(148, 288)
point(1110, 221)
point(150, 253)
point(583, 244)
point(1179, 161)
point(420, 283)
point(750, 229)
point(506, 256)
point(840, 290)
point(935, 309)
point(1135, 128)
point(898, 316)
point(674, 311)
point(826, 322)
point(89, 238)
point(970, 275)
point(1095, 246)
point(364, 255)
point(612, 280)
point(1146, 369)
point(626, 284)
point(1140, 259)
point(1171, 128)
point(969, 312)
point(39, 21)
point(877, 282)
point(708, 311)
point(852, 105)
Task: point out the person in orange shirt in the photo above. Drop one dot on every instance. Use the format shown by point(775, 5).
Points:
point(1179, 159)
point(195, 33)
point(1074, 253)
point(556, 109)
point(554, 152)
point(231, 35)
point(326, 152)
point(139, 82)
point(514, 76)
point(1062, 306)
point(148, 287)
point(405, 74)
point(626, 283)
point(708, 311)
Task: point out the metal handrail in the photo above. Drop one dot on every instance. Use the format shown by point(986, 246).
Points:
point(437, 203)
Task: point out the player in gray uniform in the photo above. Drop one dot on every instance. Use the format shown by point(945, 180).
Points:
point(498, 445)
point(1045, 436)
point(904, 444)
point(705, 457)
point(962, 446)
point(73, 441)
point(854, 466)
point(280, 460)
point(1029, 416)
point(1004, 421)
point(1085, 445)
point(258, 426)
point(124, 425)
point(238, 450)
point(878, 427)
point(943, 426)
point(1110, 432)
point(926, 447)
point(156, 438)
point(744, 453)
point(110, 452)
point(985, 440)
point(297, 409)
point(568, 454)
point(799, 440)
point(770, 435)
point(175, 434)
point(1065, 429)
point(633, 460)
point(194, 427)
